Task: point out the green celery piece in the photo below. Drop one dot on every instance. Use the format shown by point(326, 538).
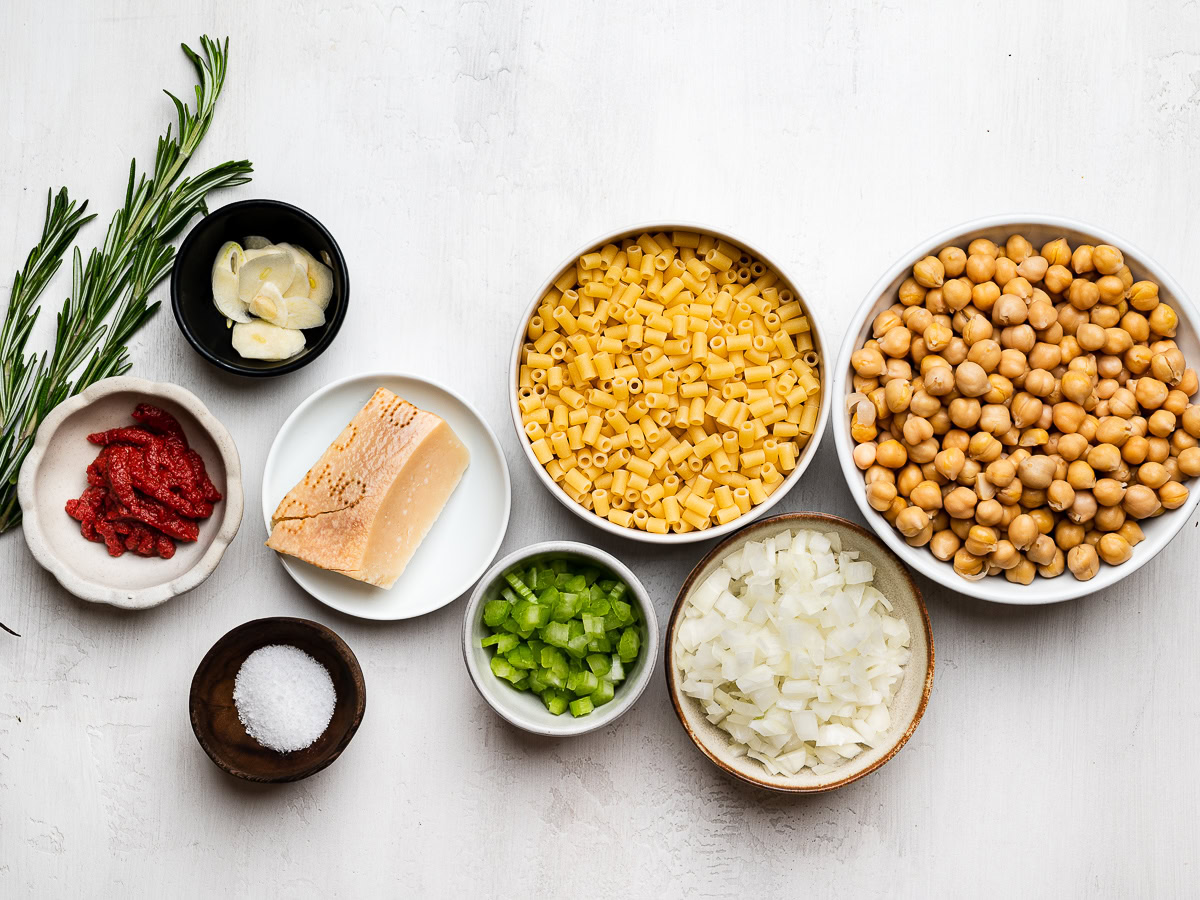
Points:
point(521, 657)
point(507, 594)
point(495, 612)
point(607, 584)
point(589, 575)
point(536, 646)
point(555, 702)
point(623, 610)
point(572, 681)
point(522, 683)
point(550, 656)
point(521, 588)
point(506, 642)
point(599, 664)
point(603, 693)
point(599, 607)
point(564, 609)
point(612, 621)
point(537, 684)
point(617, 592)
point(593, 626)
point(530, 615)
point(585, 683)
point(553, 679)
point(577, 646)
point(556, 634)
point(490, 640)
point(629, 645)
point(501, 667)
point(617, 672)
point(600, 645)
point(574, 665)
point(575, 626)
point(577, 584)
point(581, 707)
point(511, 625)
point(548, 596)
point(558, 566)
point(540, 579)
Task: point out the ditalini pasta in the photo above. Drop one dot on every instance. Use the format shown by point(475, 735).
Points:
point(669, 384)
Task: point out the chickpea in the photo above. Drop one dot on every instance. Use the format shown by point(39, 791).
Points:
point(1041, 551)
point(984, 447)
point(1072, 446)
point(1083, 295)
point(1083, 561)
point(960, 503)
point(879, 473)
point(1163, 320)
point(1190, 420)
point(968, 565)
point(1068, 534)
point(1060, 495)
point(891, 454)
point(1055, 567)
point(981, 540)
point(985, 353)
point(989, 512)
point(1080, 475)
point(1189, 383)
point(1111, 289)
point(964, 412)
point(1009, 310)
point(949, 462)
point(880, 495)
point(1018, 249)
point(1176, 402)
point(868, 362)
point(985, 295)
point(1013, 363)
point(1140, 501)
point(995, 419)
point(911, 521)
point(1104, 458)
point(1058, 278)
point(927, 495)
point(1150, 393)
point(971, 379)
point(893, 511)
point(1018, 337)
point(929, 272)
point(970, 472)
point(1005, 556)
point(1132, 532)
point(1023, 531)
point(944, 544)
point(923, 452)
point(1168, 366)
point(1108, 492)
point(1153, 475)
point(1161, 423)
point(1157, 449)
point(1068, 417)
point(1039, 383)
point(1172, 495)
point(897, 395)
point(1114, 549)
point(916, 431)
point(939, 381)
point(896, 342)
point(1012, 494)
point(953, 260)
point(1021, 573)
point(1006, 271)
point(1033, 268)
point(1107, 259)
point(1083, 509)
point(1109, 518)
point(1189, 462)
point(1036, 472)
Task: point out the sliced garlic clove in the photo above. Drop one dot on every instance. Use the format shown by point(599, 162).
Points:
point(303, 313)
point(269, 304)
point(262, 340)
point(255, 242)
point(275, 267)
point(299, 287)
point(225, 282)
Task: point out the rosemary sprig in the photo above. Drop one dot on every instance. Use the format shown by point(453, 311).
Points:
point(110, 292)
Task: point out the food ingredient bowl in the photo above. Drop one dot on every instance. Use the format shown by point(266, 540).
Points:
point(191, 281)
point(802, 461)
point(214, 715)
point(1038, 230)
point(462, 542)
point(908, 704)
point(55, 472)
point(525, 709)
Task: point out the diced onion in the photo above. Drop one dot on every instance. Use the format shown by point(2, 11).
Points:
point(791, 650)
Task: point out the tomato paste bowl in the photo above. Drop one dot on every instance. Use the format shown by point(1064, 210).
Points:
point(56, 471)
point(525, 709)
point(821, 353)
point(1038, 229)
point(191, 282)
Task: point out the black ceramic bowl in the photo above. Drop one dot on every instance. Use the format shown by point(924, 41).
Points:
point(191, 281)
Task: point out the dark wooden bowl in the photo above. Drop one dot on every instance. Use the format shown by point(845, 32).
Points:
point(214, 715)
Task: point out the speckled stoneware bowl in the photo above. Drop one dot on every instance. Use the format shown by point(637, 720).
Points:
point(907, 707)
point(55, 472)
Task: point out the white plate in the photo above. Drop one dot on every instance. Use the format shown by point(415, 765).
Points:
point(462, 542)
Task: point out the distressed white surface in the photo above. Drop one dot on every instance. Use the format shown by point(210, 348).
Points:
point(458, 151)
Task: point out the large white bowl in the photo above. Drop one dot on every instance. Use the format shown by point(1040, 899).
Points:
point(523, 708)
point(1038, 229)
point(55, 471)
point(716, 531)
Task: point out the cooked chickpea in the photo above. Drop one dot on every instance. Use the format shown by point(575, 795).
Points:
point(1109, 518)
point(960, 503)
point(1036, 472)
point(1083, 561)
point(1114, 549)
point(880, 495)
point(1163, 320)
point(1083, 509)
point(1140, 501)
point(911, 521)
point(891, 454)
point(1189, 462)
point(1108, 492)
point(1107, 259)
point(944, 544)
point(929, 272)
point(1104, 458)
point(1172, 495)
point(968, 565)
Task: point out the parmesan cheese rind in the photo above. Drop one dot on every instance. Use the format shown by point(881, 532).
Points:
point(366, 505)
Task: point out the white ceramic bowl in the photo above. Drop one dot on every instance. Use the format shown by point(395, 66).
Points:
point(636, 534)
point(522, 708)
point(908, 704)
point(1038, 229)
point(55, 472)
point(463, 540)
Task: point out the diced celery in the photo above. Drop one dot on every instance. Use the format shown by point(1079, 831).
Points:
point(617, 672)
point(505, 642)
point(598, 663)
point(552, 678)
point(495, 612)
point(536, 683)
point(593, 626)
point(556, 702)
point(577, 646)
point(559, 565)
point(600, 644)
point(623, 610)
point(522, 683)
point(630, 643)
point(617, 592)
point(521, 657)
point(551, 655)
point(599, 607)
point(607, 584)
point(556, 634)
point(502, 668)
point(585, 683)
point(603, 693)
point(581, 707)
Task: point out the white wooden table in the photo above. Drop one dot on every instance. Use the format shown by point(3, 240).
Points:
point(458, 152)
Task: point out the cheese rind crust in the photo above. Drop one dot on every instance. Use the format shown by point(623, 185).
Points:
point(368, 502)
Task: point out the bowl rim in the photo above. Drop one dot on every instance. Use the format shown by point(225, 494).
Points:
point(716, 531)
point(304, 405)
point(1057, 590)
point(556, 727)
point(231, 520)
point(344, 653)
point(677, 609)
point(334, 324)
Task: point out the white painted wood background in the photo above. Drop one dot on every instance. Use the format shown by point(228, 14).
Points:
point(458, 151)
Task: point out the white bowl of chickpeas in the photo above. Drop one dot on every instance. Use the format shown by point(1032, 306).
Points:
point(1016, 399)
point(668, 383)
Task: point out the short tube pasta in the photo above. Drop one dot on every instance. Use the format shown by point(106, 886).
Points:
point(669, 382)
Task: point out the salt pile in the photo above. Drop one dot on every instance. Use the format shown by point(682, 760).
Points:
point(284, 697)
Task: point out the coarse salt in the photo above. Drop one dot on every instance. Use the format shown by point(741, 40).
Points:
point(284, 697)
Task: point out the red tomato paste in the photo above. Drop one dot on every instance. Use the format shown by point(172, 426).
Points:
point(146, 489)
